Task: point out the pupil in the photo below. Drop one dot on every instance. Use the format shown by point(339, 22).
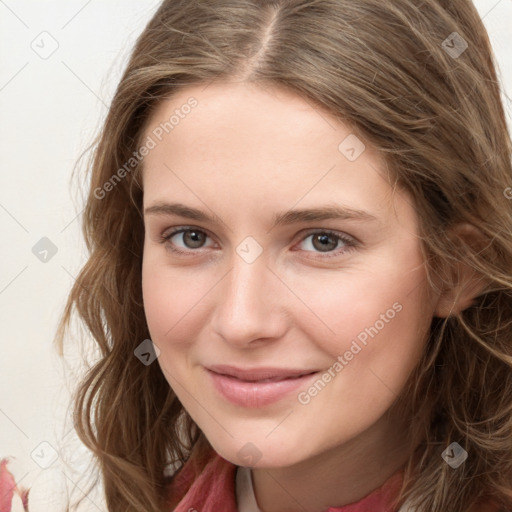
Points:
point(194, 235)
point(324, 238)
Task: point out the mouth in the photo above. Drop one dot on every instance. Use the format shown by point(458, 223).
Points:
point(255, 391)
point(266, 374)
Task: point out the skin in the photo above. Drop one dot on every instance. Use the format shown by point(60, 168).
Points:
point(245, 153)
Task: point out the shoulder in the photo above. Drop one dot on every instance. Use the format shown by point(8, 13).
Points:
point(494, 506)
point(488, 505)
point(211, 479)
point(484, 505)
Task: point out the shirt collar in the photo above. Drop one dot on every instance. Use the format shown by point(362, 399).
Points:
point(221, 485)
point(377, 501)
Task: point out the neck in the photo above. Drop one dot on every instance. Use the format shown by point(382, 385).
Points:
point(337, 476)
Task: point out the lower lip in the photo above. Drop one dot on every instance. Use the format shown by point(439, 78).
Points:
point(256, 394)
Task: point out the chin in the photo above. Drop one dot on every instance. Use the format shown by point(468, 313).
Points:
point(259, 453)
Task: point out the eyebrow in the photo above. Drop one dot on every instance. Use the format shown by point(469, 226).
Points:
point(280, 219)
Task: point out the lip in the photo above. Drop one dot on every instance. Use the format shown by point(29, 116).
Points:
point(249, 387)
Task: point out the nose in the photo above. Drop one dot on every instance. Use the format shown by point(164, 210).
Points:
point(250, 304)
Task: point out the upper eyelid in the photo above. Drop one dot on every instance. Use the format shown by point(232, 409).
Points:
point(180, 229)
point(304, 233)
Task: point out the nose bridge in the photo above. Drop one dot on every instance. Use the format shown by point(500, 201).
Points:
point(246, 301)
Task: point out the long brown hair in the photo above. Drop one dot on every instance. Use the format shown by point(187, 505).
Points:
point(415, 79)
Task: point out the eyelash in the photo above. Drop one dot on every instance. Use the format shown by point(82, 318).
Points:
point(350, 243)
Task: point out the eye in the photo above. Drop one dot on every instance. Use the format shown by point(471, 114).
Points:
point(321, 241)
point(192, 238)
point(328, 242)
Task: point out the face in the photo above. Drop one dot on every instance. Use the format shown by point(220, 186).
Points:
point(274, 242)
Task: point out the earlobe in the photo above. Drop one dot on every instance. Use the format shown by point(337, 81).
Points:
point(460, 297)
point(463, 284)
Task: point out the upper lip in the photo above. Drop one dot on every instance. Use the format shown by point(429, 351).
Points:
point(254, 374)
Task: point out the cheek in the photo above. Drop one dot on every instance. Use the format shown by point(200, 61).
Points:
point(166, 303)
point(162, 307)
point(174, 304)
point(158, 302)
point(387, 344)
point(380, 336)
point(169, 295)
point(374, 322)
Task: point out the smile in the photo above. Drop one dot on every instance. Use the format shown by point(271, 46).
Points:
point(252, 392)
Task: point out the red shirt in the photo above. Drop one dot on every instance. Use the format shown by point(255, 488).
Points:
point(213, 490)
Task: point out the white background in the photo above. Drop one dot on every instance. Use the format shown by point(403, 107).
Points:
point(50, 110)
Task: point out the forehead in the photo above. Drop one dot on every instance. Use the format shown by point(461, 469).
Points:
point(269, 118)
point(258, 143)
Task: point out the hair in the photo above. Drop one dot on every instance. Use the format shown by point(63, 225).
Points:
point(380, 67)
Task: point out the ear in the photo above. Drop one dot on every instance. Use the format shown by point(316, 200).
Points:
point(462, 284)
